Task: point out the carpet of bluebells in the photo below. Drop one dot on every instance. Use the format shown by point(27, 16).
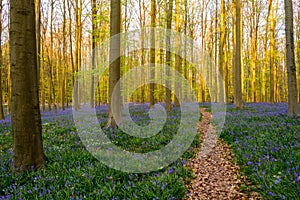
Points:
point(73, 173)
point(266, 144)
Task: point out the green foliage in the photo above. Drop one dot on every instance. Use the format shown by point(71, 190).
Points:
point(266, 144)
point(73, 173)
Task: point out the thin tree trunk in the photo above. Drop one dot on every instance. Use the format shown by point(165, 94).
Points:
point(8, 110)
point(222, 53)
point(238, 75)
point(168, 57)
point(143, 59)
point(298, 48)
point(152, 53)
point(178, 60)
point(1, 101)
point(115, 65)
point(254, 29)
point(64, 63)
point(78, 32)
point(272, 51)
point(42, 81)
point(94, 38)
point(263, 78)
point(233, 45)
point(52, 98)
point(71, 52)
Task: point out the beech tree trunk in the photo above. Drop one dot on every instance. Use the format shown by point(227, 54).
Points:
point(272, 51)
point(94, 37)
point(152, 53)
point(1, 105)
point(178, 59)
point(115, 65)
point(142, 10)
point(168, 57)
point(26, 119)
point(238, 63)
point(222, 53)
point(290, 59)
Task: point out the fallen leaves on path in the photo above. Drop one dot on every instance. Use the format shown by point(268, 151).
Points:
point(215, 176)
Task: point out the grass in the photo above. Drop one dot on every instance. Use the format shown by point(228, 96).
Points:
point(266, 144)
point(73, 173)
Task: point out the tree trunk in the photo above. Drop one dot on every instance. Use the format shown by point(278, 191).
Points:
point(94, 37)
point(178, 60)
point(64, 63)
point(168, 57)
point(272, 51)
point(42, 70)
point(263, 72)
point(26, 119)
point(1, 101)
point(143, 59)
point(238, 76)
point(71, 51)
point(222, 53)
point(38, 34)
point(233, 8)
point(8, 110)
point(290, 59)
point(298, 48)
point(254, 29)
point(152, 53)
point(115, 65)
point(78, 33)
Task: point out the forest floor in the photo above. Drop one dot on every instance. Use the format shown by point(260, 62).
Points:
point(259, 145)
point(215, 174)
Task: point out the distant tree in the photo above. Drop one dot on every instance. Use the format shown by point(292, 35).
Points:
point(238, 65)
point(78, 50)
point(168, 56)
point(222, 52)
point(1, 105)
point(94, 29)
point(115, 65)
point(142, 23)
point(272, 53)
point(26, 119)
point(255, 16)
point(178, 59)
point(152, 52)
point(290, 59)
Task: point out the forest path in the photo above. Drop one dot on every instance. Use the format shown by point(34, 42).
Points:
point(216, 177)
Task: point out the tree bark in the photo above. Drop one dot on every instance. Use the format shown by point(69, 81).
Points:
point(168, 58)
point(178, 59)
point(254, 30)
point(1, 101)
point(26, 119)
point(143, 59)
point(78, 34)
point(152, 53)
point(290, 59)
point(115, 65)
point(272, 51)
point(94, 38)
point(222, 53)
point(238, 65)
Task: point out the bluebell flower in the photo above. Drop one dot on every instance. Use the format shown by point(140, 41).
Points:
point(171, 171)
point(277, 181)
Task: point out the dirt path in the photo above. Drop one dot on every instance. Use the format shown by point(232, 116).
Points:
point(215, 176)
